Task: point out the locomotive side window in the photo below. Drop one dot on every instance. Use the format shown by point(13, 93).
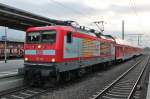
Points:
point(69, 37)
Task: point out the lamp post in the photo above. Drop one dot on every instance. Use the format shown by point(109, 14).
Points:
point(5, 44)
point(122, 29)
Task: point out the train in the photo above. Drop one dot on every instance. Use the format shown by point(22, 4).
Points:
point(56, 52)
point(14, 49)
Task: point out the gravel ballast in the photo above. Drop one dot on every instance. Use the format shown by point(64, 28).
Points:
point(90, 84)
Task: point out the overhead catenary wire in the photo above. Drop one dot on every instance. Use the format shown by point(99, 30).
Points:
point(76, 11)
point(61, 5)
point(138, 14)
point(70, 9)
point(132, 6)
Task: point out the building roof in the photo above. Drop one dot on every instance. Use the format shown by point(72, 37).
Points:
point(12, 40)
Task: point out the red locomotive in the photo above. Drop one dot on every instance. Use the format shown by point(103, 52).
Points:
point(56, 52)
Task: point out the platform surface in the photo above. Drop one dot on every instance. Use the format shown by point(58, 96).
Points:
point(148, 91)
point(11, 65)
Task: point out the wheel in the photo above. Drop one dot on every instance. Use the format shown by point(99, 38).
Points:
point(66, 76)
point(80, 73)
point(28, 78)
point(55, 79)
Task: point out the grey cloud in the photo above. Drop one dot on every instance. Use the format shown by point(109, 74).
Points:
point(143, 8)
point(76, 10)
point(129, 9)
point(52, 9)
point(72, 10)
point(120, 9)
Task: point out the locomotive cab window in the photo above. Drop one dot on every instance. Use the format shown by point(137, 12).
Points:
point(48, 36)
point(33, 37)
point(69, 37)
point(42, 37)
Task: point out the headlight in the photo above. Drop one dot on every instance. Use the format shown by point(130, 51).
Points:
point(53, 60)
point(39, 46)
point(26, 59)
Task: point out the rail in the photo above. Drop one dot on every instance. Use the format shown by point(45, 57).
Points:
point(106, 92)
point(138, 80)
point(12, 87)
point(25, 92)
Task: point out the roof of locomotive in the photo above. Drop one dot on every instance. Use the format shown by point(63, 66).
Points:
point(69, 28)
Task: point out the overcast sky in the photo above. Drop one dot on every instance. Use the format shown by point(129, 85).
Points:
point(136, 14)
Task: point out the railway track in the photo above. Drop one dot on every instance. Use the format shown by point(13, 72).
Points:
point(19, 91)
point(28, 93)
point(124, 87)
point(24, 93)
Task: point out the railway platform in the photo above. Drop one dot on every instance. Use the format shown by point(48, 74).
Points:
point(8, 73)
point(11, 65)
point(148, 91)
point(10, 79)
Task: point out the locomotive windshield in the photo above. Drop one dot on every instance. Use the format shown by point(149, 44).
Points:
point(42, 37)
point(33, 37)
point(48, 36)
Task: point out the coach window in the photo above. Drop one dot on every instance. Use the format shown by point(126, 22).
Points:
point(69, 37)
